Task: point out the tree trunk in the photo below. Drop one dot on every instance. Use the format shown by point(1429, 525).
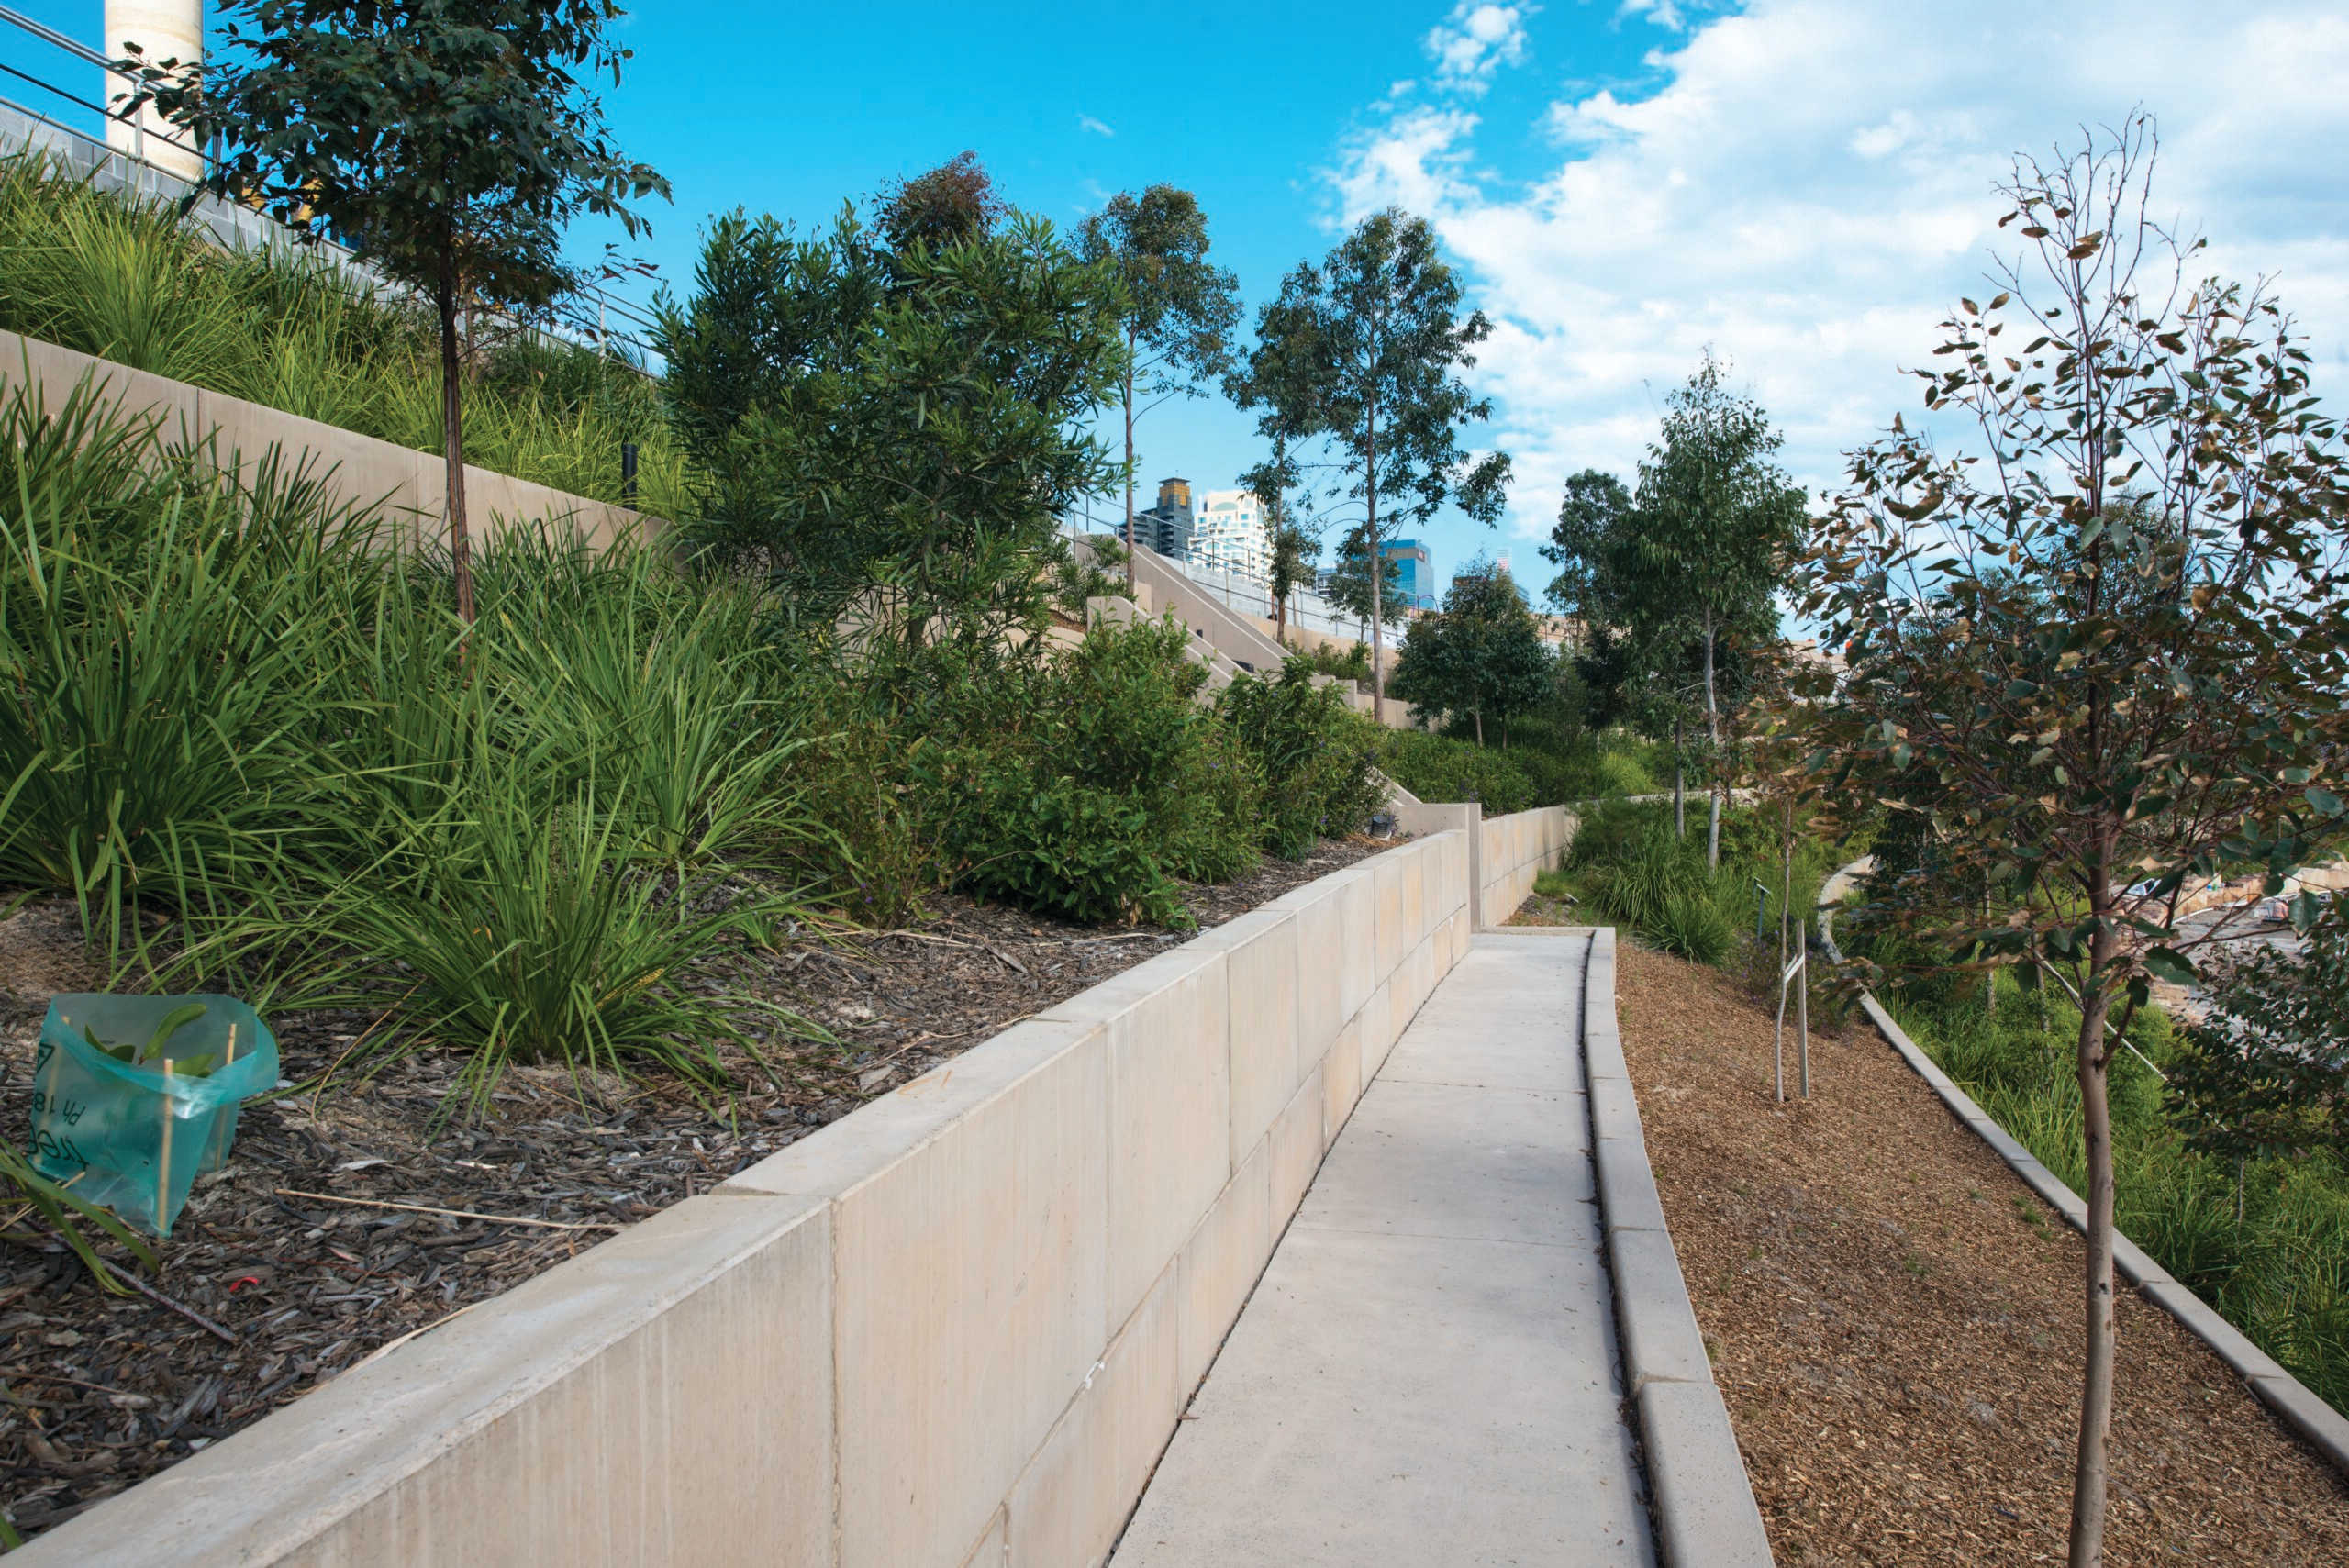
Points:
point(452, 444)
point(1479, 714)
point(2088, 1481)
point(1679, 786)
point(1377, 566)
point(1713, 763)
point(1127, 393)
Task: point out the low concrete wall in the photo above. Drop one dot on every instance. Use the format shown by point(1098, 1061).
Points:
point(1703, 1502)
point(1513, 850)
point(954, 1328)
point(408, 487)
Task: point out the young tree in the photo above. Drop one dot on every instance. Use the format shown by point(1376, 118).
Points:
point(1714, 521)
point(1369, 344)
point(2105, 650)
point(1290, 547)
point(1481, 654)
point(1593, 522)
point(448, 142)
point(1179, 310)
point(894, 433)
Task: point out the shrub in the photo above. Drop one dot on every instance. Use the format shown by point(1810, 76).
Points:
point(1693, 925)
point(1317, 759)
point(1434, 767)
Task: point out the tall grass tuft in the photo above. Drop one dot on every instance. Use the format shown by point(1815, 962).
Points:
point(126, 280)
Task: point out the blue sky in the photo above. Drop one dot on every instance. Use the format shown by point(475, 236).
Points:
point(1803, 185)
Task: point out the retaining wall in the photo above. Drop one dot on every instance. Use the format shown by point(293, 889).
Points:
point(954, 1328)
point(1513, 850)
point(410, 487)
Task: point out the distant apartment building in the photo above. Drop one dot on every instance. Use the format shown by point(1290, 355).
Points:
point(1167, 527)
point(1228, 531)
point(1415, 572)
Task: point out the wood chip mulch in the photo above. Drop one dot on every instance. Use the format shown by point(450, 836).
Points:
point(271, 1295)
point(1895, 1323)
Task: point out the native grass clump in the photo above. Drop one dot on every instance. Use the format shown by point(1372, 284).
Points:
point(127, 279)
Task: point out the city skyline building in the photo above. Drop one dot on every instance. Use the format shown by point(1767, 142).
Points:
point(1415, 566)
point(1166, 529)
point(1228, 531)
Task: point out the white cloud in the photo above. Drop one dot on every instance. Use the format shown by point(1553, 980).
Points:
point(1475, 42)
point(1087, 122)
point(1809, 190)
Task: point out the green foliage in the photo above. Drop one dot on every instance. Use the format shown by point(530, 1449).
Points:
point(1435, 767)
point(449, 142)
point(1481, 655)
point(236, 717)
point(1087, 786)
point(2267, 1070)
point(1349, 662)
point(126, 280)
point(1317, 758)
point(892, 435)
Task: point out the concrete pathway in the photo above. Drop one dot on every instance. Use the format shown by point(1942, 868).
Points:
point(1427, 1373)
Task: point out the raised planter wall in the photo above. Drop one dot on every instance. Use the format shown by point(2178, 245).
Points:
point(360, 472)
point(1515, 850)
point(954, 1328)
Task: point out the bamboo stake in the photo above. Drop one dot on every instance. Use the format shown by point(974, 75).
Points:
point(164, 1164)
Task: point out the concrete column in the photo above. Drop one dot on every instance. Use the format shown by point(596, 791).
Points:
point(163, 30)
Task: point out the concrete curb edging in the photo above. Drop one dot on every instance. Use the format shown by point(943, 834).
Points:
point(2318, 1423)
point(1703, 1503)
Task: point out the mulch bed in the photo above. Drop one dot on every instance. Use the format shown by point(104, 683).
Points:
point(271, 1293)
point(1894, 1321)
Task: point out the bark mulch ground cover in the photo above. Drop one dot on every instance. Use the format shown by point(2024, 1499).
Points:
point(1895, 1320)
point(297, 1261)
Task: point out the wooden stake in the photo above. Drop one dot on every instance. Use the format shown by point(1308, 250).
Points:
point(232, 1046)
point(164, 1164)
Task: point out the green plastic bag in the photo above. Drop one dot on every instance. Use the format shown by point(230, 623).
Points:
point(128, 1122)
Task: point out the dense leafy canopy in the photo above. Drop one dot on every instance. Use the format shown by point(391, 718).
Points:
point(1481, 655)
point(894, 431)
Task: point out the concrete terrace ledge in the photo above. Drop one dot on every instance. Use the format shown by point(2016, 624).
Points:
point(1704, 1508)
point(2323, 1428)
point(407, 487)
point(954, 1328)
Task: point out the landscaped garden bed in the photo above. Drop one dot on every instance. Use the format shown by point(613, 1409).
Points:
point(343, 1223)
point(1894, 1320)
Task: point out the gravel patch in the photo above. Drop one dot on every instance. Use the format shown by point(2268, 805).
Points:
point(1895, 1320)
point(342, 1223)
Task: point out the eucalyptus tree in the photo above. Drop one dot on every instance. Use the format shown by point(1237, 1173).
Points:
point(2104, 644)
point(1368, 345)
point(1179, 309)
point(1694, 556)
point(1714, 522)
point(449, 142)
